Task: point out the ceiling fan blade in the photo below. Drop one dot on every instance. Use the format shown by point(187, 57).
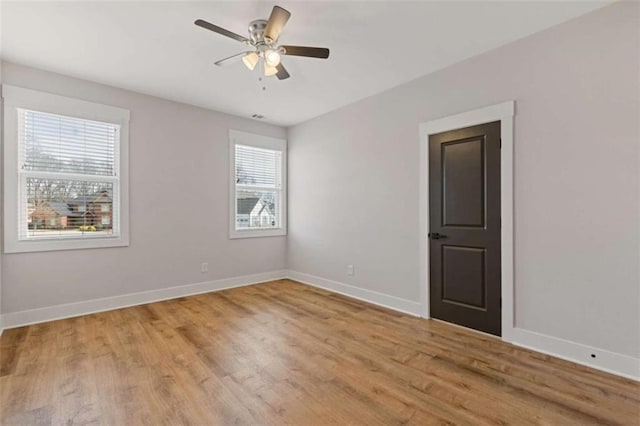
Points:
point(277, 20)
point(282, 72)
point(216, 29)
point(231, 59)
point(309, 52)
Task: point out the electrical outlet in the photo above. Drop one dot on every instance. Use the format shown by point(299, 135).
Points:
point(204, 267)
point(350, 270)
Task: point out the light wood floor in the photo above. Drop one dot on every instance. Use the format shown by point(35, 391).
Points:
point(286, 353)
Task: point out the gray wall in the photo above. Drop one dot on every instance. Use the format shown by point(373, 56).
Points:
point(179, 197)
point(1, 206)
point(353, 178)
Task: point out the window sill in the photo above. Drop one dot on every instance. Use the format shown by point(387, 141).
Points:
point(257, 233)
point(29, 246)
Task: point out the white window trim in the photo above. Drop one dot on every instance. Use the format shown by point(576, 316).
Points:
point(18, 97)
point(242, 138)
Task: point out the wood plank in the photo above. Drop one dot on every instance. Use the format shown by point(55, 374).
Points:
point(287, 353)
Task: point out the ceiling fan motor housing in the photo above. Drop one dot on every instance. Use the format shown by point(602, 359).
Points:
point(256, 31)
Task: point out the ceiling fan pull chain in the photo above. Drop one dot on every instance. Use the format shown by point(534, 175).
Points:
point(263, 84)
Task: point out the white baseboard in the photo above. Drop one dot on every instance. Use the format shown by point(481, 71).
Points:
point(384, 300)
point(611, 362)
point(33, 316)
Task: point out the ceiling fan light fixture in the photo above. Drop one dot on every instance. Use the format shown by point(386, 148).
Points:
point(269, 70)
point(272, 57)
point(251, 60)
point(263, 37)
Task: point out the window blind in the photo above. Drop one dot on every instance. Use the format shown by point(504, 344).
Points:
point(257, 166)
point(57, 143)
point(68, 173)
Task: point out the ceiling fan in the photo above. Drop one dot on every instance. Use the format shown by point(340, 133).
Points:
point(263, 36)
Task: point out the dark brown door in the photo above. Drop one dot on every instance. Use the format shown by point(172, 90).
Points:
point(464, 226)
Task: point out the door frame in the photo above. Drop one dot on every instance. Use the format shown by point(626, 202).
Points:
point(503, 112)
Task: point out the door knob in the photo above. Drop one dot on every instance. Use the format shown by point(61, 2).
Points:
point(436, 236)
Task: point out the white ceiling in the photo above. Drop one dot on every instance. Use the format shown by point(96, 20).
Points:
point(154, 48)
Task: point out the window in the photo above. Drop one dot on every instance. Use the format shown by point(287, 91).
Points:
point(258, 186)
point(65, 161)
point(105, 208)
point(105, 220)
